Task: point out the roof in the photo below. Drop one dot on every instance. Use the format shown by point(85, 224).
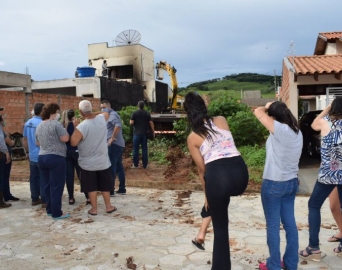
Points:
point(317, 64)
point(325, 37)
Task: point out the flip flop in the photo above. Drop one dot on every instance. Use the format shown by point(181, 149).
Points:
point(197, 244)
point(334, 239)
point(91, 213)
point(111, 211)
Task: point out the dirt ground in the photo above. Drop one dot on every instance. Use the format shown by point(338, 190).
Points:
point(181, 173)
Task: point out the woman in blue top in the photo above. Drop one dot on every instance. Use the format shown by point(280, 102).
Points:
point(329, 123)
point(280, 182)
point(68, 119)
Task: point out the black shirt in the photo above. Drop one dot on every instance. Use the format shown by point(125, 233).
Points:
point(141, 120)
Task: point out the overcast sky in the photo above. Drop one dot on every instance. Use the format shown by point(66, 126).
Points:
point(201, 39)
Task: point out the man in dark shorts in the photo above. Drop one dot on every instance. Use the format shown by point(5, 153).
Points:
point(91, 138)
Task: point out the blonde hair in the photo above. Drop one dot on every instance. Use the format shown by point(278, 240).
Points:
point(65, 120)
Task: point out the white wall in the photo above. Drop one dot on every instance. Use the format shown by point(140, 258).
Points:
point(84, 86)
point(139, 56)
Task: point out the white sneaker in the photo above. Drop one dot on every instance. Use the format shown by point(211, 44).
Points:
point(134, 167)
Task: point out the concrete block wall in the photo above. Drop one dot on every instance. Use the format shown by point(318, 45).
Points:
point(18, 106)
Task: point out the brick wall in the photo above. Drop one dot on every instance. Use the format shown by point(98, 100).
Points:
point(18, 106)
point(285, 85)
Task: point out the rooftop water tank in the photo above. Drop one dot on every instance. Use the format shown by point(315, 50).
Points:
point(86, 71)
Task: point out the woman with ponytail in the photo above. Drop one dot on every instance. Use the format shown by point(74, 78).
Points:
point(222, 171)
point(329, 123)
point(280, 182)
point(69, 122)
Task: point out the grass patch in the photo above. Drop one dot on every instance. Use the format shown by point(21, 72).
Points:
point(254, 157)
point(158, 149)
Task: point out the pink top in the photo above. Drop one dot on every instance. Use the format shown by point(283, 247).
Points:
point(221, 146)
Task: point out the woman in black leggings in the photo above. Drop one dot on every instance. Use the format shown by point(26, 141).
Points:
point(221, 169)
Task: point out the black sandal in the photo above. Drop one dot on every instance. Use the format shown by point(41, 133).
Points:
point(316, 257)
point(71, 201)
point(197, 244)
point(338, 250)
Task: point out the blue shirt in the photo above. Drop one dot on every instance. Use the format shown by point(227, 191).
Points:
point(70, 129)
point(115, 121)
point(30, 134)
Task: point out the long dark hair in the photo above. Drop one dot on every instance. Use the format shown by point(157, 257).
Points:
point(279, 111)
point(197, 113)
point(335, 112)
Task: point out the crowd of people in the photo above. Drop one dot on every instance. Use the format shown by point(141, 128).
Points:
point(60, 144)
point(58, 148)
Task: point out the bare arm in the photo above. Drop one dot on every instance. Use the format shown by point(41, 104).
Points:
point(8, 140)
point(152, 128)
point(106, 116)
point(131, 122)
point(319, 123)
point(264, 119)
point(76, 137)
point(64, 138)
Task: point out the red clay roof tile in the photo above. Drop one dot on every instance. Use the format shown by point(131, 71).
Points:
point(318, 64)
point(331, 35)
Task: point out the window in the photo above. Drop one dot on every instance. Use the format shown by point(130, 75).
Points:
point(306, 106)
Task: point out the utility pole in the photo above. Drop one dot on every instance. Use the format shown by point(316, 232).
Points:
point(275, 82)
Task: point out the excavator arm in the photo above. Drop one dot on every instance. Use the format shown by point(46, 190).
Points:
point(172, 73)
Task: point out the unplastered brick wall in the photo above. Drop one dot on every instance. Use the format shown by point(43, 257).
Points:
point(18, 106)
point(285, 85)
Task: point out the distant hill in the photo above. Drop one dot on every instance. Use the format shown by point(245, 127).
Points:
point(238, 82)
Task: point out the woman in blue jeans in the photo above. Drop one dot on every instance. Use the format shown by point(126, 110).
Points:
point(280, 182)
point(51, 136)
point(329, 123)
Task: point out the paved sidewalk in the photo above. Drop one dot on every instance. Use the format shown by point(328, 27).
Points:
point(153, 226)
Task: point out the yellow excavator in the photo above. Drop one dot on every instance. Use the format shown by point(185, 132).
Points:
point(161, 66)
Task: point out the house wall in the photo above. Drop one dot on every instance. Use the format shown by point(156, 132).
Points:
point(10, 79)
point(140, 57)
point(76, 86)
point(18, 106)
point(338, 47)
point(330, 49)
point(137, 55)
point(284, 93)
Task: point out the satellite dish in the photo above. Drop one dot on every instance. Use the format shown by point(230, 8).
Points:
point(128, 37)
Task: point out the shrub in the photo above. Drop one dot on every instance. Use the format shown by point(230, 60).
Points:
point(254, 157)
point(182, 131)
point(246, 129)
point(226, 106)
point(125, 115)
